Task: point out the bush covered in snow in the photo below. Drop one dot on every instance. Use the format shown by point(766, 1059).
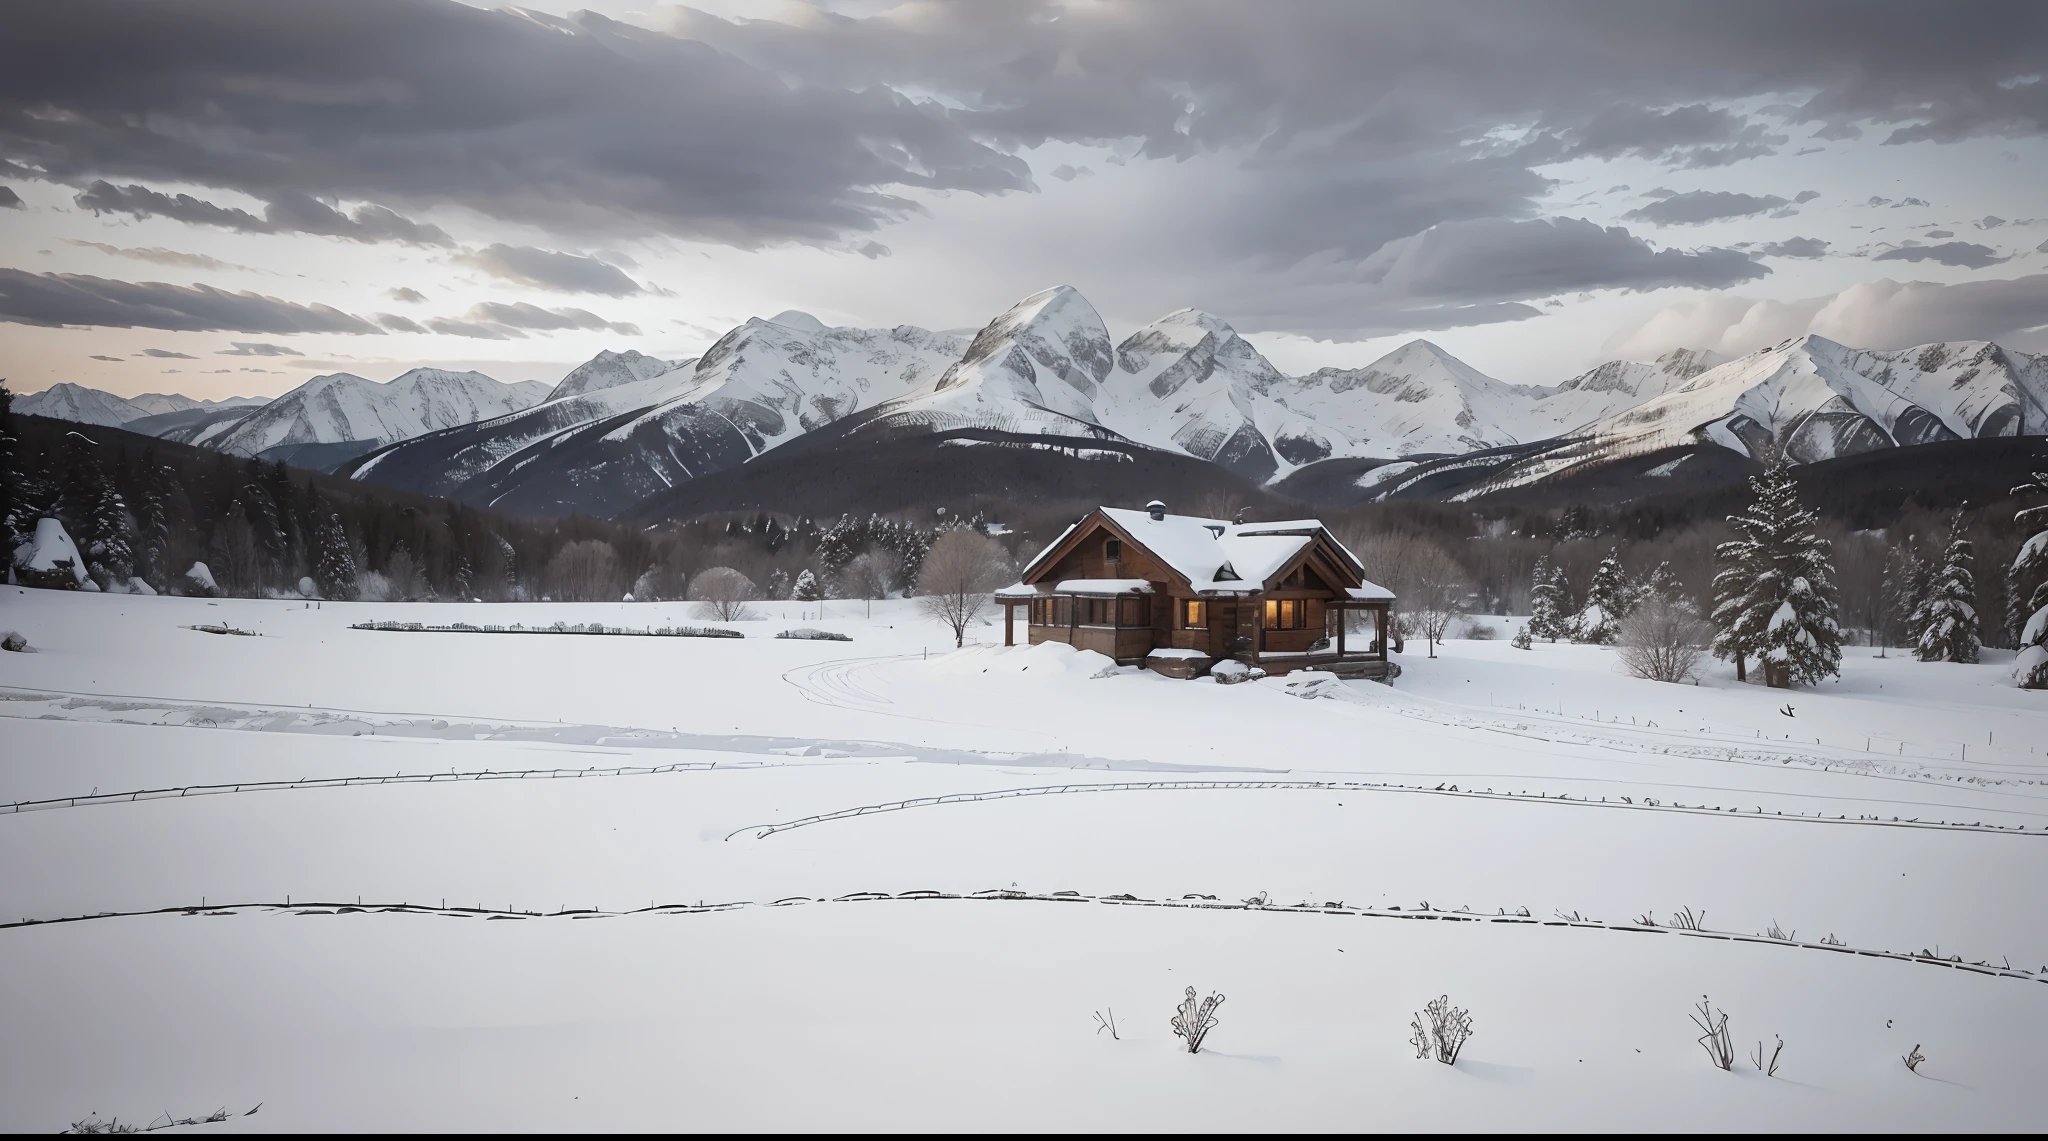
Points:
point(1230, 671)
point(13, 642)
point(1661, 640)
point(811, 634)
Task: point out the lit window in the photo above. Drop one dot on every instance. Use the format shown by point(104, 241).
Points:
point(1286, 614)
point(1194, 615)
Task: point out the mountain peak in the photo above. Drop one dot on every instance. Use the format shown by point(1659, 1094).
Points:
point(799, 320)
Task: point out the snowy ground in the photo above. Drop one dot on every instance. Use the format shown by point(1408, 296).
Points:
point(569, 882)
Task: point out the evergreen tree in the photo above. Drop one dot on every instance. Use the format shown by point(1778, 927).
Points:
point(1607, 603)
point(153, 524)
point(10, 479)
point(465, 579)
point(807, 588)
point(109, 556)
point(1945, 623)
point(1661, 582)
point(1546, 602)
point(334, 568)
point(1775, 594)
point(2029, 581)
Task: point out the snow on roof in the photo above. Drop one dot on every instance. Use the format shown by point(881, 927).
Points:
point(1245, 555)
point(1018, 590)
point(1103, 586)
point(1371, 592)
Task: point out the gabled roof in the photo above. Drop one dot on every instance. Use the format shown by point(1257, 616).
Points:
point(1212, 555)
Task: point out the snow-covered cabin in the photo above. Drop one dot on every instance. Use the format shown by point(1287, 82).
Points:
point(1180, 593)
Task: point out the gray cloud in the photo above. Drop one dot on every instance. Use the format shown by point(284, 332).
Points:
point(1697, 206)
point(521, 315)
point(1695, 135)
point(257, 349)
point(53, 299)
point(398, 324)
point(2042, 248)
point(1990, 222)
point(871, 250)
point(1805, 196)
point(1794, 248)
point(1905, 202)
point(167, 354)
point(1967, 254)
point(9, 200)
point(290, 212)
point(1880, 314)
point(551, 269)
point(103, 357)
point(158, 255)
point(403, 293)
point(1941, 234)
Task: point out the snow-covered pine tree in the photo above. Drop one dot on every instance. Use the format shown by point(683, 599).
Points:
point(1546, 601)
point(807, 588)
point(1607, 603)
point(2029, 580)
point(778, 584)
point(1661, 582)
point(1945, 624)
point(153, 526)
point(1775, 594)
point(109, 556)
point(10, 480)
point(334, 560)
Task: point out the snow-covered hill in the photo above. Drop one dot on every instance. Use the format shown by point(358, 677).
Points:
point(342, 408)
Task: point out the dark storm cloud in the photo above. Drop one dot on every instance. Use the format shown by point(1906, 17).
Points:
point(518, 115)
point(551, 269)
point(1697, 206)
point(289, 212)
point(1794, 248)
point(54, 299)
point(1345, 127)
point(1967, 254)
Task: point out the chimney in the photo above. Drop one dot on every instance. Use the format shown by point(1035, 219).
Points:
point(1157, 510)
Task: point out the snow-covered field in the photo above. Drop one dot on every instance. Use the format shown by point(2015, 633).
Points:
point(625, 882)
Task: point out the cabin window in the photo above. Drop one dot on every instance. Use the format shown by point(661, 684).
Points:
point(1113, 550)
point(1286, 614)
point(1194, 615)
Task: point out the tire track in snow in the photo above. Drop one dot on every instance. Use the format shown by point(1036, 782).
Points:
point(1189, 902)
point(763, 831)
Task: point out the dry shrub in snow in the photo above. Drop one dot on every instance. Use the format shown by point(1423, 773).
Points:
point(723, 593)
point(1440, 1031)
point(954, 584)
point(1714, 1038)
point(587, 570)
point(1661, 640)
point(1193, 1021)
point(871, 575)
point(1768, 1066)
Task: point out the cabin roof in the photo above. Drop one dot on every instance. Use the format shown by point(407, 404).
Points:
point(1213, 555)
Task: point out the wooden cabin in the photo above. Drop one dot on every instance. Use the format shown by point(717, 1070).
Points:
point(1179, 593)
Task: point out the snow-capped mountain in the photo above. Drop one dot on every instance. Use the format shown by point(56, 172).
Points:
point(1187, 382)
point(1615, 385)
point(1813, 399)
point(1035, 370)
point(1416, 400)
point(600, 450)
point(80, 405)
point(344, 408)
point(609, 369)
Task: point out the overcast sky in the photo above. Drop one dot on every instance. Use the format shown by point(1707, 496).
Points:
point(227, 198)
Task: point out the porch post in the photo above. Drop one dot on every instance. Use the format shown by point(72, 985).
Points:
point(1343, 620)
point(1379, 624)
point(1009, 623)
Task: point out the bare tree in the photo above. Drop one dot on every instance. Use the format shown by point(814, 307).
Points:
point(873, 575)
point(585, 571)
point(1662, 640)
point(403, 569)
point(722, 593)
point(1436, 591)
point(961, 570)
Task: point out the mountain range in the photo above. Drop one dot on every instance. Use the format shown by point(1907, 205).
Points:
point(626, 433)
